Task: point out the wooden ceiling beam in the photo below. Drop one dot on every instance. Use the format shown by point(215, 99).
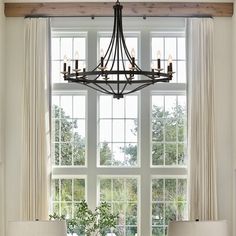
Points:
point(170, 9)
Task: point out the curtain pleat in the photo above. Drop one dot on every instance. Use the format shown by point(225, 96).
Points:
point(202, 171)
point(34, 165)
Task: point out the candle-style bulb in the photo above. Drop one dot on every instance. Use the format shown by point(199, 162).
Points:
point(76, 55)
point(69, 67)
point(132, 52)
point(169, 67)
point(102, 53)
point(64, 64)
point(158, 59)
point(76, 60)
point(169, 59)
point(102, 58)
point(132, 57)
point(65, 59)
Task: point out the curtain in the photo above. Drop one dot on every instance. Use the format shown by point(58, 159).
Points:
point(34, 165)
point(202, 169)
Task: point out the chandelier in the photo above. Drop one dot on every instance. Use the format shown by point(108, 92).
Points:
point(117, 73)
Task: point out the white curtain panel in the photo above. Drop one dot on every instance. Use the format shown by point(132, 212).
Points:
point(34, 169)
point(202, 179)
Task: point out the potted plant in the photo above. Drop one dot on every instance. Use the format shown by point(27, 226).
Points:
point(87, 222)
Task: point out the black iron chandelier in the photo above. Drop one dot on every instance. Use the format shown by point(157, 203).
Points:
point(117, 79)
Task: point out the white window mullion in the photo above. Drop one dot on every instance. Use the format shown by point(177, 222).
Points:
point(92, 126)
point(145, 139)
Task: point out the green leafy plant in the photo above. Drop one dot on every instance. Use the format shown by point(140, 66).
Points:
point(85, 221)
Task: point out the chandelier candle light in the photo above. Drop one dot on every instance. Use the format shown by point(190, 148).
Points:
point(117, 80)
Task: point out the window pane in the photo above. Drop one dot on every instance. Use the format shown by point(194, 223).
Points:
point(56, 71)
point(168, 202)
point(122, 194)
point(174, 46)
point(66, 48)
point(79, 46)
point(168, 130)
point(182, 72)
point(79, 106)
point(105, 111)
point(66, 193)
point(68, 134)
point(118, 131)
point(55, 46)
point(131, 107)
point(181, 48)
point(105, 130)
point(158, 45)
point(106, 154)
point(170, 47)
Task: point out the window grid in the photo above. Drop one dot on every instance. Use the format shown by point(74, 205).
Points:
point(125, 142)
point(164, 141)
point(70, 58)
point(70, 203)
point(164, 58)
point(178, 214)
point(126, 202)
point(58, 142)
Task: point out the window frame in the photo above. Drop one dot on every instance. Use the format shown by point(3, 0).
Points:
point(146, 29)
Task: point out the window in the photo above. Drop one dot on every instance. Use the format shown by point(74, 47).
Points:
point(129, 152)
point(118, 133)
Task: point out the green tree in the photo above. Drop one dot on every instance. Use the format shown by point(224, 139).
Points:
point(105, 154)
point(168, 134)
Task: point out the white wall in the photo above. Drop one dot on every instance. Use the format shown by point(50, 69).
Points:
point(14, 101)
point(223, 109)
point(2, 89)
point(233, 89)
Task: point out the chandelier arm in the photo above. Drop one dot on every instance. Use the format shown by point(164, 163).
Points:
point(109, 50)
point(125, 47)
point(148, 74)
point(122, 53)
point(123, 41)
point(111, 88)
point(119, 48)
point(122, 56)
point(112, 37)
point(96, 77)
point(115, 37)
point(137, 89)
point(98, 90)
point(124, 87)
point(114, 56)
point(124, 44)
